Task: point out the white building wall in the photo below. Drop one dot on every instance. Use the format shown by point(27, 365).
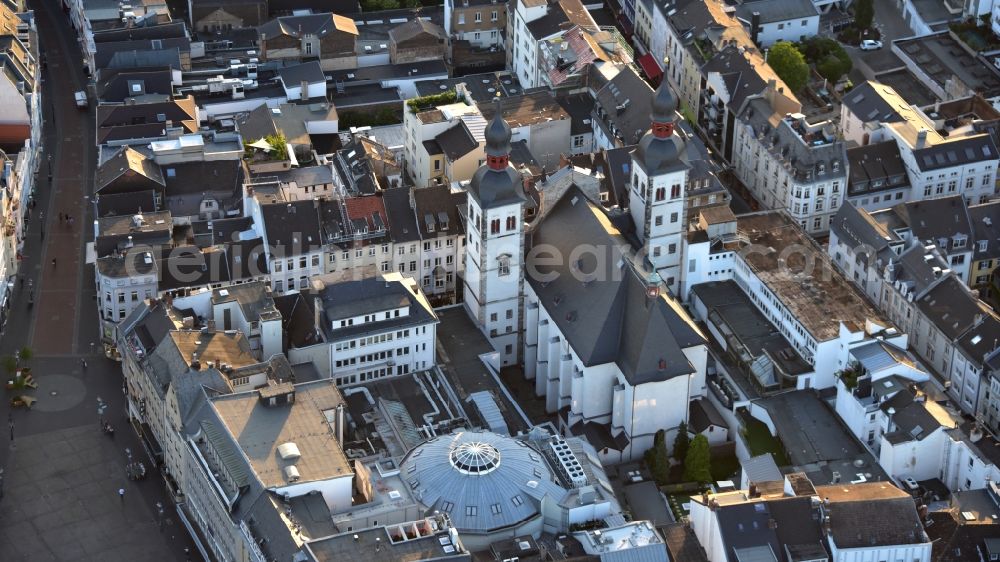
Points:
point(791, 30)
point(910, 553)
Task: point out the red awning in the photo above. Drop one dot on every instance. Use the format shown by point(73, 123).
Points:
point(649, 66)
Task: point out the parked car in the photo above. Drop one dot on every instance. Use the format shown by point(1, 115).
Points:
point(870, 45)
point(910, 484)
point(81, 99)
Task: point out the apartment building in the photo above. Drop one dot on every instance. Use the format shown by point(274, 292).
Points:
point(791, 164)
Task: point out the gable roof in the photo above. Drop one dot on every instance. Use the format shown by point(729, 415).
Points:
point(117, 122)
point(456, 141)
point(127, 160)
point(606, 316)
point(312, 24)
point(415, 28)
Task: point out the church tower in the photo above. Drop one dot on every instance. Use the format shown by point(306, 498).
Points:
point(494, 245)
point(657, 191)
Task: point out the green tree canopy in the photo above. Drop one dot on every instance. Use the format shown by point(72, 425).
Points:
point(864, 13)
point(789, 64)
point(681, 442)
point(698, 463)
point(657, 459)
point(830, 58)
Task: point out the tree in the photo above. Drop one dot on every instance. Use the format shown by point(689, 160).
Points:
point(681, 442)
point(864, 13)
point(830, 58)
point(657, 459)
point(26, 354)
point(698, 462)
point(789, 64)
point(10, 364)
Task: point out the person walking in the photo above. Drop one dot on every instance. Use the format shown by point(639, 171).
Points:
point(53, 263)
point(121, 494)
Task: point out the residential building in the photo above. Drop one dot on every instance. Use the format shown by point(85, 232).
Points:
point(985, 258)
point(437, 211)
point(566, 58)
point(538, 119)
point(789, 163)
point(770, 21)
point(482, 23)
point(444, 144)
point(248, 308)
point(138, 124)
point(365, 329)
point(222, 15)
point(331, 38)
point(530, 23)
point(909, 275)
point(621, 101)
point(877, 176)
point(417, 40)
point(794, 520)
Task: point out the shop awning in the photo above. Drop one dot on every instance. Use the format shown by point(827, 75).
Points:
point(649, 67)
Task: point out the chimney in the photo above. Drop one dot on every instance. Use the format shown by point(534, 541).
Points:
point(305, 89)
point(317, 306)
point(921, 138)
point(340, 424)
point(754, 26)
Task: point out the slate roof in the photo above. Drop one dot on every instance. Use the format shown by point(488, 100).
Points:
point(402, 221)
point(633, 121)
point(804, 159)
point(938, 219)
point(873, 163)
point(313, 24)
point(126, 203)
point(682, 543)
point(435, 206)
point(703, 414)
point(310, 72)
point(986, 228)
point(610, 318)
point(117, 86)
point(358, 297)
point(117, 122)
point(291, 228)
point(910, 420)
point(873, 101)
point(560, 15)
point(951, 308)
point(127, 160)
point(456, 141)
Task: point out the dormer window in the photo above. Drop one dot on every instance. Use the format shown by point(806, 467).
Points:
point(983, 244)
point(958, 242)
point(429, 222)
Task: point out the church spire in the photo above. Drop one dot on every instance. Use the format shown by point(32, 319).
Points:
point(497, 141)
point(664, 111)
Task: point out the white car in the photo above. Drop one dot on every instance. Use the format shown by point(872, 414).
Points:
point(870, 45)
point(911, 484)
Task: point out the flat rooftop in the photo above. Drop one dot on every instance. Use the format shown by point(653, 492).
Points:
point(431, 541)
point(226, 348)
point(816, 442)
point(307, 422)
point(462, 344)
point(731, 310)
point(519, 111)
point(941, 57)
point(800, 274)
point(902, 80)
